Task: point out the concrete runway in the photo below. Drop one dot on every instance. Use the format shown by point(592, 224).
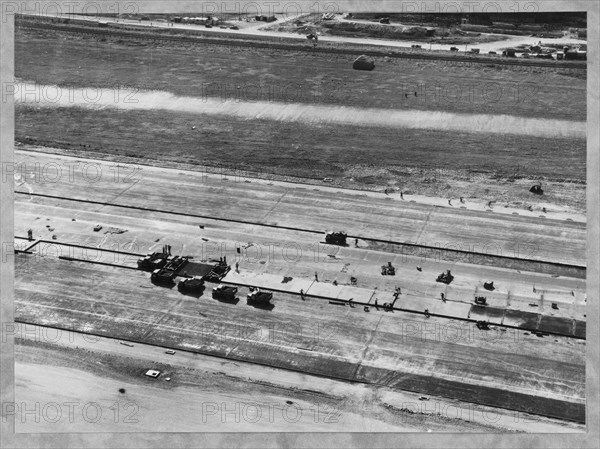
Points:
point(305, 208)
point(439, 357)
point(501, 368)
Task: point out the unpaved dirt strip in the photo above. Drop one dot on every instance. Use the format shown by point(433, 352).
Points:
point(53, 96)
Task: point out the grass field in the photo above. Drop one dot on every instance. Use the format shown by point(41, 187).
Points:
point(295, 148)
point(287, 76)
point(368, 157)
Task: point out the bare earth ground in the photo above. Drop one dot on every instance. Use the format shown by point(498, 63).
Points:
point(199, 394)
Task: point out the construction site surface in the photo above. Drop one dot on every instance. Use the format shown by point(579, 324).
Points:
point(191, 293)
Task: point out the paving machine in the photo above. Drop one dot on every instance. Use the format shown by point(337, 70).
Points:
point(168, 273)
point(152, 261)
point(218, 272)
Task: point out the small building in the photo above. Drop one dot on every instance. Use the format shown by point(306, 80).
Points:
point(429, 31)
point(152, 373)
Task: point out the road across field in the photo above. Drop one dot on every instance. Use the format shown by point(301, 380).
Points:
point(298, 207)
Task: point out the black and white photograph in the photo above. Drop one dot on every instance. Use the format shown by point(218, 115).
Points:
point(299, 224)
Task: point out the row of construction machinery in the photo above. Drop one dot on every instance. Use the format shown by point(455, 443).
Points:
point(166, 267)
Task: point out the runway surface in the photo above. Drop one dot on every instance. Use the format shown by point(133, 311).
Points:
point(505, 368)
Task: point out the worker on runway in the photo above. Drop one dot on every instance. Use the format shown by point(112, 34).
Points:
point(302, 294)
point(443, 297)
point(316, 277)
point(237, 267)
point(350, 302)
point(30, 234)
point(419, 268)
point(401, 194)
point(427, 313)
point(450, 202)
point(356, 242)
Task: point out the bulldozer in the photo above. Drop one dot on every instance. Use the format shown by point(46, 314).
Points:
point(445, 277)
point(489, 285)
point(259, 297)
point(388, 270)
point(191, 285)
point(336, 238)
point(224, 292)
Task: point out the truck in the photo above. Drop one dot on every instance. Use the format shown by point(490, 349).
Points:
point(336, 238)
point(191, 285)
point(259, 297)
point(224, 292)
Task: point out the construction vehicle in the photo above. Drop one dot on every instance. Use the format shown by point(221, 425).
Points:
point(537, 189)
point(224, 292)
point(191, 285)
point(155, 260)
point(489, 285)
point(259, 297)
point(167, 274)
point(336, 238)
point(388, 270)
point(483, 325)
point(218, 272)
point(445, 277)
point(481, 300)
